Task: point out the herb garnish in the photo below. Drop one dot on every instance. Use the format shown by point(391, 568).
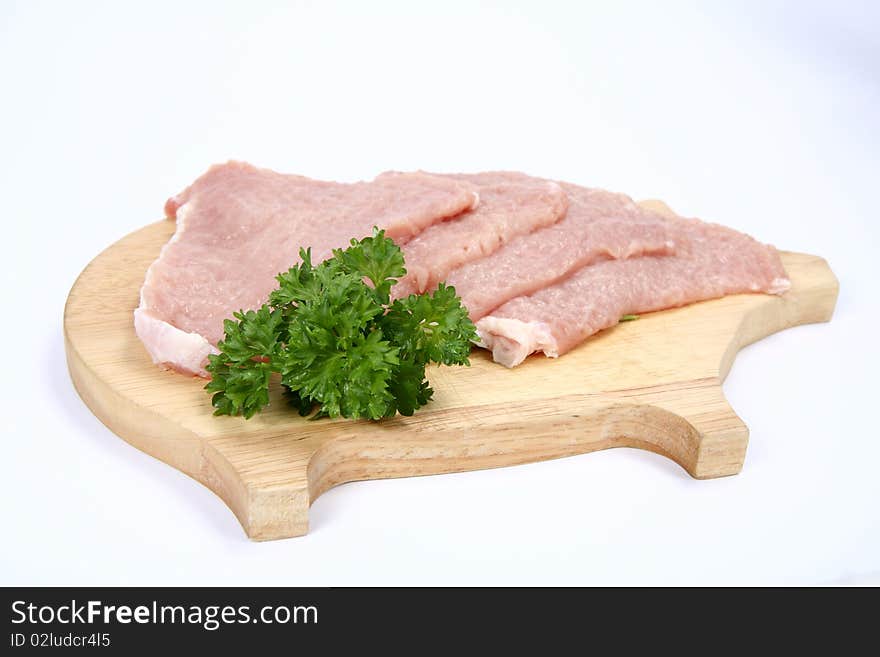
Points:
point(338, 343)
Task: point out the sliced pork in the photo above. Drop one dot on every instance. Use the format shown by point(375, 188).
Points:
point(710, 261)
point(598, 225)
point(238, 226)
point(511, 204)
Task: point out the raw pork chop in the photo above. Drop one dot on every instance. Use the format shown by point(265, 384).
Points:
point(598, 225)
point(238, 226)
point(710, 261)
point(511, 204)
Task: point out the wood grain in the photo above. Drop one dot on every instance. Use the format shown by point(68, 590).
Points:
point(654, 384)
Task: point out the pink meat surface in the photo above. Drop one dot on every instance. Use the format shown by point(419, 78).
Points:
point(511, 204)
point(238, 226)
point(598, 225)
point(710, 261)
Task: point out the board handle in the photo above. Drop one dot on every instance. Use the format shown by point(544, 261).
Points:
point(691, 423)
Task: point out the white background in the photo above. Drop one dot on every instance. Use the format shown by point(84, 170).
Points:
point(762, 116)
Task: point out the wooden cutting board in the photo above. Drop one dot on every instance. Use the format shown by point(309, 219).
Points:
point(654, 383)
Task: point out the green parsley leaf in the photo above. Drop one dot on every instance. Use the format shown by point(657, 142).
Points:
point(376, 258)
point(431, 327)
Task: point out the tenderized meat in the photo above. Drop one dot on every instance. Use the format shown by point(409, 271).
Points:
point(598, 224)
point(238, 226)
point(511, 204)
point(710, 261)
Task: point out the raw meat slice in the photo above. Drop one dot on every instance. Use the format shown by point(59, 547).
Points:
point(511, 204)
point(710, 261)
point(598, 224)
point(238, 226)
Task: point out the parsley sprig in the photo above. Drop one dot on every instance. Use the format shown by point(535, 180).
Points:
point(339, 344)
